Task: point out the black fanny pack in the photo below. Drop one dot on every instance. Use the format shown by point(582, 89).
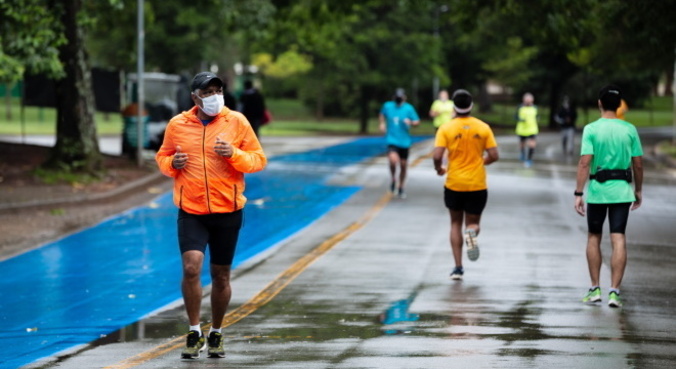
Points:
point(610, 174)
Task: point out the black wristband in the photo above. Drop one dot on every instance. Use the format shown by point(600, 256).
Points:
point(579, 193)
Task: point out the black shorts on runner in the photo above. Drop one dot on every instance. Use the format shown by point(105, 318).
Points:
point(219, 231)
point(618, 214)
point(524, 138)
point(472, 202)
point(403, 152)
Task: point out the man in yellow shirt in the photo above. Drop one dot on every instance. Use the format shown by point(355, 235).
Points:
point(527, 128)
point(464, 139)
point(442, 109)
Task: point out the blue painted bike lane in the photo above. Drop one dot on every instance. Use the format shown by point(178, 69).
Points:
point(89, 284)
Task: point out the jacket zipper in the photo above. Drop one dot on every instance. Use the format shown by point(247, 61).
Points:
point(204, 162)
point(235, 199)
point(180, 199)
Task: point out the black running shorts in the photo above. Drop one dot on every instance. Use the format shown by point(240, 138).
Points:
point(525, 138)
point(402, 152)
point(472, 202)
point(618, 214)
point(219, 231)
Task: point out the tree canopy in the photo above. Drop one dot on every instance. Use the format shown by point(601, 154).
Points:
point(344, 57)
point(29, 39)
point(360, 51)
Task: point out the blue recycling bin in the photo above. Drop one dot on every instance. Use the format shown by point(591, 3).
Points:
point(130, 132)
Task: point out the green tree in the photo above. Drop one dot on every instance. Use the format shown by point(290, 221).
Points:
point(29, 37)
point(179, 37)
point(361, 51)
point(637, 41)
point(46, 36)
point(538, 35)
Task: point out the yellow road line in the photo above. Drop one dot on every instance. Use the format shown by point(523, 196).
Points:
point(420, 159)
point(267, 293)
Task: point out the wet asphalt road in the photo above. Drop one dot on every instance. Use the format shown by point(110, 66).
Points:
point(517, 307)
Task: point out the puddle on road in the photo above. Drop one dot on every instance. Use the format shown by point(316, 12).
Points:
point(297, 323)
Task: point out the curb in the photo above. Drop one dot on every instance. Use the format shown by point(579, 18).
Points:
point(151, 178)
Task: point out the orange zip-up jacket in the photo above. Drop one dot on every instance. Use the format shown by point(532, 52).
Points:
point(210, 183)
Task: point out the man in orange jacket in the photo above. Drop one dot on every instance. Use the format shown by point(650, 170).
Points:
point(207, 150)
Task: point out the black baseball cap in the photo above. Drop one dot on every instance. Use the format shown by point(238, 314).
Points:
point(610, 97)
point(204, 79)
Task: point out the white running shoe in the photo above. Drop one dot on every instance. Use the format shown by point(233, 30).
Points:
point(472, 244)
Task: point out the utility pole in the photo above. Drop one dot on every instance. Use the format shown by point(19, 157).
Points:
point(140, 121)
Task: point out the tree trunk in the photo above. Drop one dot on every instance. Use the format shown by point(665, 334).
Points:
point(673, 127)
point(484, 98)
point(76, 146)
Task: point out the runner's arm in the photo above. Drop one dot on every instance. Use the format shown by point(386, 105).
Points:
point(582, 174)
point(492, 156)
point(637, 167)
point(437, 157)
point(381, 119)
point(165, 154)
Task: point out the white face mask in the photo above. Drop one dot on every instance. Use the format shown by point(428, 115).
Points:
point(212, 105)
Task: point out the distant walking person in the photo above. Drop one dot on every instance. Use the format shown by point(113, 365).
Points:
point(611, 151)
point(566, 117)
point(253, 106)
point(527, 128)
point(441, 109)
point(228, 99)
point(465, 139)
point(396, 118)
point(207, 150)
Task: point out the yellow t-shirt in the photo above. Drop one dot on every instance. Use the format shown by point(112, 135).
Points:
point(445, 110)
point(465, 139)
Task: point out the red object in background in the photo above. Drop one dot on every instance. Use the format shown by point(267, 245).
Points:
point(267, 117)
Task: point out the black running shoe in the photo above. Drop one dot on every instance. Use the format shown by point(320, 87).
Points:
point(195, 343)
point(215, 345)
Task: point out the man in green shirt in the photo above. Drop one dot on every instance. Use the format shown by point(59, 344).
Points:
point(611, 151)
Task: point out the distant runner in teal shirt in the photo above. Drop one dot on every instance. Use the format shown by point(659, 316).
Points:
point(396, 118)
point(611, 155)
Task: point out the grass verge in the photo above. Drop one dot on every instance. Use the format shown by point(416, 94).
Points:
point(291, 118)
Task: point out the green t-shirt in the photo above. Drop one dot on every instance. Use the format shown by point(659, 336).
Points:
point(612, 143)
point(445, 110)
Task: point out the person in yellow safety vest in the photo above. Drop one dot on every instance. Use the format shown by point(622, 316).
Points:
point(527, 128)
point(442, 109)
